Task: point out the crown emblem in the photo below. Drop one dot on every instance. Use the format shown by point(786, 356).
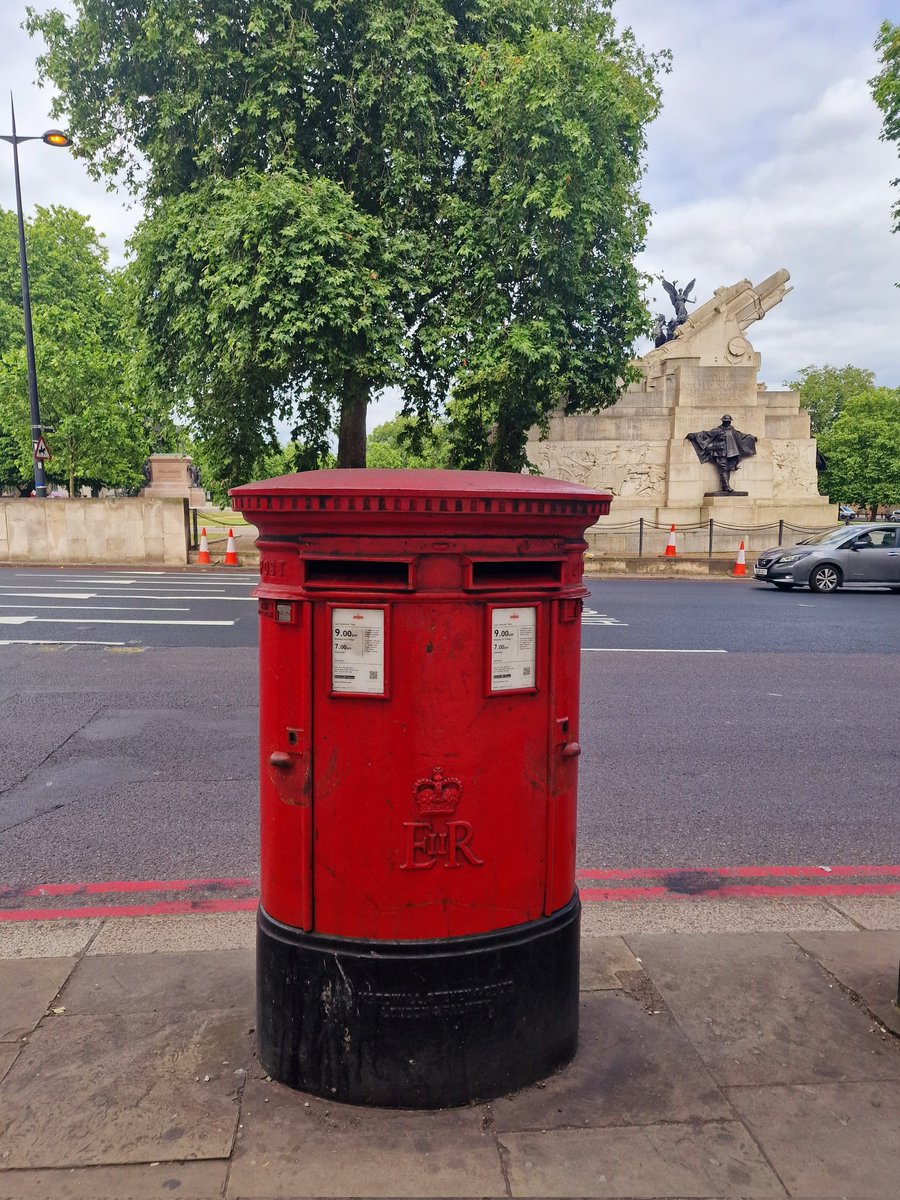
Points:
point(437, 794)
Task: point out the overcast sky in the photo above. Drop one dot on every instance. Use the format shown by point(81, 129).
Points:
point(766, 155)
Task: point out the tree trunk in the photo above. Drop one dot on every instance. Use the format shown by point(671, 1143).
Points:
point(352, 428)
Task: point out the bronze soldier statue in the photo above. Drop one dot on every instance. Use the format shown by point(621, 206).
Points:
point(725, 447)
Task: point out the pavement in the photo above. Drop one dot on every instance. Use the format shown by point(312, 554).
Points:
point(728, 1048)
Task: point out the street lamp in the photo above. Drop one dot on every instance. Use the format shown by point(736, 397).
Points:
point(53, 137)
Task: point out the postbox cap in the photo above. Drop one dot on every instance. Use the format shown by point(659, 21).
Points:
point(391, 499)
point(416, 482)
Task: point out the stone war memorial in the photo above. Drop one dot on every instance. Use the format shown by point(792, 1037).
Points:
point(173, 476)
point(697, 438)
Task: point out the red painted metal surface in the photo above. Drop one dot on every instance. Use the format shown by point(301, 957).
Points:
point(419, 672)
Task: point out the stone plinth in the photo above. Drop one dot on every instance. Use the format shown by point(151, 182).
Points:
point(170, 478)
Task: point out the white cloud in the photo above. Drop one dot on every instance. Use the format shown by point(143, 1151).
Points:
point(767, 155)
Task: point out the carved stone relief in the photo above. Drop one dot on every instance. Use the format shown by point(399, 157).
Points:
point(626, 469)
point(793, 470)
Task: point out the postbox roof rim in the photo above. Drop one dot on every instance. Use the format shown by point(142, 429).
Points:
point(418, 482)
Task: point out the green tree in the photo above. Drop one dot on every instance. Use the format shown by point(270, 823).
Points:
point(825, 390)
point(97, 432)
point(886, 92)
point(406, 442)
point(343, 194)
point(862, 450)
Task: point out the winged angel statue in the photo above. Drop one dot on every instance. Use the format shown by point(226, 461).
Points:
point(680, 299)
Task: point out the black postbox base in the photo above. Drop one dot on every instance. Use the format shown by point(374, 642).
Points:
point(425, 1024)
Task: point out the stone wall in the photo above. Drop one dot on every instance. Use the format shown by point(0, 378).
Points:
point(128, 531)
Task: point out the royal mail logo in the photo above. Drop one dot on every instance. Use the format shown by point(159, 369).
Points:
point(437, 840)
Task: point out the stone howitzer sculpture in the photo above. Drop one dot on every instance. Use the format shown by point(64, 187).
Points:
point(714, 332)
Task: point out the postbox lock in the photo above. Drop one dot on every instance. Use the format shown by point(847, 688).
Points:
point(281, 758)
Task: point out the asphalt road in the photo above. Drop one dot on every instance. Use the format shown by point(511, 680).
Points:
point(723, 723)
point(91, 606)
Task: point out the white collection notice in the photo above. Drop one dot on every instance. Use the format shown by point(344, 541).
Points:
point(357, 650)
point(513, 641)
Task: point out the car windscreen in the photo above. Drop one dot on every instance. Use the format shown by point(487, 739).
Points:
point(827, 535)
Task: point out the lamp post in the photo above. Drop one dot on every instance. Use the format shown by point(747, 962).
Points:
point(53, 137)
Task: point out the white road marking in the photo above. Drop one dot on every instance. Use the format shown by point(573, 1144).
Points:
point(52, 642)
point(628, 650)
point(102, 621)
point(54, 595)
point(590, 616)
point(94, 607)
point(124, 596)
point(126, 581)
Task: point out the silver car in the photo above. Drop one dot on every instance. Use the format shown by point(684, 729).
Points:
point(828, 560)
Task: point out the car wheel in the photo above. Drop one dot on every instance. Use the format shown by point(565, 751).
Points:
point(783, 587)
point(825, 579)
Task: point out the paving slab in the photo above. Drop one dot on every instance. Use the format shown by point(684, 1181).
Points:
point(866, 962)
point(619, 918)
point(127, 983)
point(96, 1091)
point(159, 935)
point(870, 912)
point(149, 1181)
point(759, 1011)
point(828, 1139)
point(46, 939)
point(27, 988)
point(290, 1144)
point(8, 1055)
point(601, 959)
point(717, 1160)
point(634, 1066)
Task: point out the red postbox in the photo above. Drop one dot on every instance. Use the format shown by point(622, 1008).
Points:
point(419, 677)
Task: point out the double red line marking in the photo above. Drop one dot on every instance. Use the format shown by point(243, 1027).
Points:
point(699, 883)
point(704, 883)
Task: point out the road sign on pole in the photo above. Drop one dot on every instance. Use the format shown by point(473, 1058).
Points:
point(41, 450)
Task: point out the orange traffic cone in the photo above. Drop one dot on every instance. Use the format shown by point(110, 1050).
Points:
point(231, 559)
point(203, 556)
point(740, 566)
point(670, 544)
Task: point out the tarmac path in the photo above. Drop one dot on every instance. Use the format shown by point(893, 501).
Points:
point(739, 743)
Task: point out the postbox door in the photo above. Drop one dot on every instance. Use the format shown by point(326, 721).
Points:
point(430, 816)
point(565, 751)
point(286, 763)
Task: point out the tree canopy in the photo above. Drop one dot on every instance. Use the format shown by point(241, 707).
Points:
point(346, 194)
point(97, 432)
point(404, 442)
point(825, 390)
point(886, 92)
point(862, 450)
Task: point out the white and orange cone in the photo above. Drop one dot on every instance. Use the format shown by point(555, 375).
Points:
point(740, 566)
point(231, 558)
point(670, 544)
point(203, 556)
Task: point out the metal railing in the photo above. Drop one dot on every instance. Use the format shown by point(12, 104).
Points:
point(644, 537)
